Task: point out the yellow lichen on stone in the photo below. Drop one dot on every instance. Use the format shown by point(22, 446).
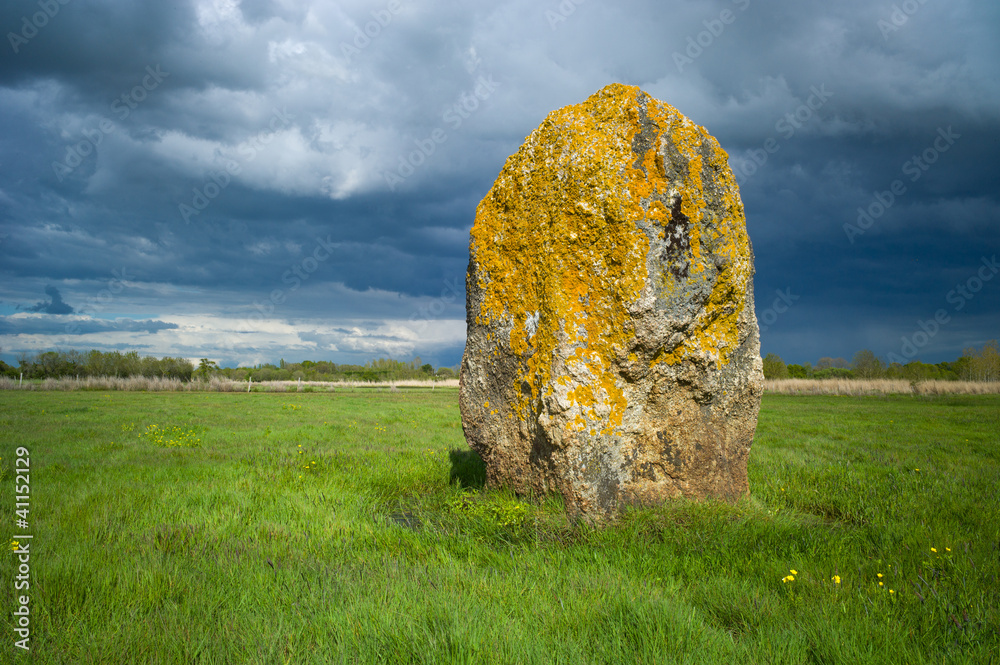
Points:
point(716, 333)
point(557, 242)
point(590, 264)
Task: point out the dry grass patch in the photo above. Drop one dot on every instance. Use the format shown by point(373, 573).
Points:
point(879, 387)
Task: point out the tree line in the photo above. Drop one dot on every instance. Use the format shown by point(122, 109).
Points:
point(57, 364)
point(982, 364)
point(381, 370)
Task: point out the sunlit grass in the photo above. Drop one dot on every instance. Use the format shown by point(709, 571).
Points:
point(354, 527)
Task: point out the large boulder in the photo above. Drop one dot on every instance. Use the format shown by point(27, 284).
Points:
point(613, 353)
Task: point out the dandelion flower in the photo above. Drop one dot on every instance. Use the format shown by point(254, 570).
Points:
point(880, 574)
point(881, 584)
point(947, 549)
point(934, 549)
point(891, 591)
point(836, 579)
point(794, 572)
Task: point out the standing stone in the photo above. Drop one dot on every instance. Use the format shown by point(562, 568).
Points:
point(613, 353)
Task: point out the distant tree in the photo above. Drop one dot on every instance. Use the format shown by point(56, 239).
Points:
point(427, 368)
point(206, 367)
point(827, 363)
point(867, 366)
point(894, 371)
point(949, 370)
point(445, 373)
point(800, 371)
point(984, 363)
point(774, 367)
point(177, 368)
point(918, 371)
point(961, 367)
point(49, 364)
point(131, 364)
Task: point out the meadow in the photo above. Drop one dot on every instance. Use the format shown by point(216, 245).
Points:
point(353, 526)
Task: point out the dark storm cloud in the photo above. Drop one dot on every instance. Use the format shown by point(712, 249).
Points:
point(54, 305)
point(335, 153)
point(34, 325)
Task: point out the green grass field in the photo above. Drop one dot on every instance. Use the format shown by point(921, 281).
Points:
point(353, 527)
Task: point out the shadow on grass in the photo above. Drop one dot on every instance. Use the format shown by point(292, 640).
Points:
point(467, 468)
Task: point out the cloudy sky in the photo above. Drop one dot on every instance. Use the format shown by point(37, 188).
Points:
point(265, 179)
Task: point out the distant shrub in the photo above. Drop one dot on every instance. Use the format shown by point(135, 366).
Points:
point(833, 373)
point(800, 371)
point(774, 367)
